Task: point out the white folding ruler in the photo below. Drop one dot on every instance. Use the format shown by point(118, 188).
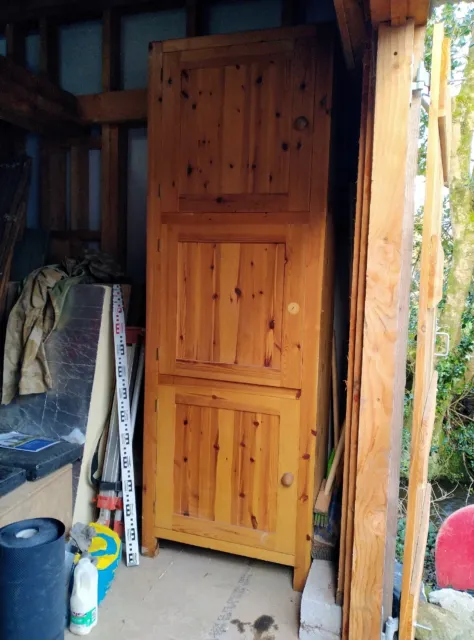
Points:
point(125, 429)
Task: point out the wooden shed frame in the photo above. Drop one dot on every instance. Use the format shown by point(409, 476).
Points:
point(396, 28)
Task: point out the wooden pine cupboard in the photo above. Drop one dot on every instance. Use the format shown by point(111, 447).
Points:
point(239, 292)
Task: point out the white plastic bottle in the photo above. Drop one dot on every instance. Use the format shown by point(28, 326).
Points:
point(84, 598)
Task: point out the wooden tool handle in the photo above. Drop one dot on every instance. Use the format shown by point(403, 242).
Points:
point(335, 394)
point(336, 461)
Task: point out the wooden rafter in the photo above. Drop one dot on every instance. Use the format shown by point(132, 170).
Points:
point(352, 29)
point(35, 103)
point(33, 10)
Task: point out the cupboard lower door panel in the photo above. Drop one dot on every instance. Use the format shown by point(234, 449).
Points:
point(226, 547)
point(227, 468)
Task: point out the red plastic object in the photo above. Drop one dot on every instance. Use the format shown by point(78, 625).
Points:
point(454, 554)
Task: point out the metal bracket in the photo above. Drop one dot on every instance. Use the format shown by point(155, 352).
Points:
point(422, 626)
point(445, 353)
point(422, 80)
point(391, 627)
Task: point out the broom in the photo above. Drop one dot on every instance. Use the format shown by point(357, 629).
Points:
point(323, 500)
point(327, 510)
point(327, 502)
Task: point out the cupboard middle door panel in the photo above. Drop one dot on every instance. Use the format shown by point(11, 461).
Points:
point(227, 466)
point(233, 303)
point(238, 125)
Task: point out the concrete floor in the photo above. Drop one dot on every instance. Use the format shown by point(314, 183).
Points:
point(187, 593)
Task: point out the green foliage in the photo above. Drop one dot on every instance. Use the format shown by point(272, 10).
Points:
point(455, 451)
point(457, 25)
point(429, 573)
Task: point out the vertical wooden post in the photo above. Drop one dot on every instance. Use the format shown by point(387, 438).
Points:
point(49, 49)
point(114, 150)
point(149, 544)
point(385, 339)
point(291, 13)
point(15, 41)
point(13, 138)
point(194, 11)
point(425, 386)
point(53, 168)
point(79, 167)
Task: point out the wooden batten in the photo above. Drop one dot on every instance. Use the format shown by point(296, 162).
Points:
point(114, 150)
point(114, 107)
point(149, 543)
point(425, 385)
point(53, 167)
point(79, 167)
point(359, 264)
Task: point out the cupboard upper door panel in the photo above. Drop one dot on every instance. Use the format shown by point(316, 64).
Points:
point(233, 303)
point(237, 127)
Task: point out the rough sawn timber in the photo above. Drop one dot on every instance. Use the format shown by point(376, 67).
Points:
point(385, 338)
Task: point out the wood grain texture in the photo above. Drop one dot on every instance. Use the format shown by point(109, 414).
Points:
point(247, 111)
point(235, 303)
point(346, 540)
point(234, 273)
point(318, 320)
point(153, 302)
point(113, 193)
point(444, 110)
point(277, 392)
point(114, 107)
point(249, 37)
point(302, 140)
point(200, 539)
point(425, 386)
point(384, 10)
point(357, 329)
point(226, 452)
point(384, 353)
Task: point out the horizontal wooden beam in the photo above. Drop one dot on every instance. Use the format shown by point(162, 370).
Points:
point(114, 107)
point(397, 12)
point(83, 235)
point(70, 10)
point(36, 104)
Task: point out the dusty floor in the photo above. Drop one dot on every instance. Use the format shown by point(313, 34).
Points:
point(188, 593)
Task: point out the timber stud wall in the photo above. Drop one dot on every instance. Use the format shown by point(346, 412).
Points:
point(64, 163)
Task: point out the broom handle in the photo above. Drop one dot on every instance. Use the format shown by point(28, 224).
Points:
point(335, 394)
point(335, 463)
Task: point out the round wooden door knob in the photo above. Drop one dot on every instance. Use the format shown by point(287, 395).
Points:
point(301, 123)
point(287, 479)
